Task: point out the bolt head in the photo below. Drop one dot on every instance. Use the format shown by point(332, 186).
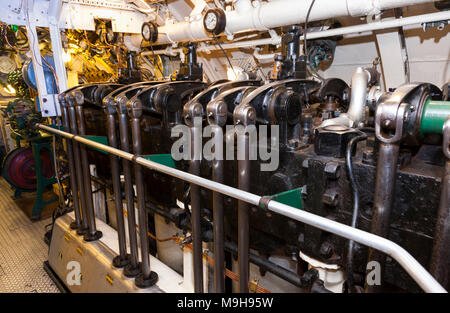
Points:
point(326, 250)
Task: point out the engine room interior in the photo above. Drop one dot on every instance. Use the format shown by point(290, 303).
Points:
point(225, 146)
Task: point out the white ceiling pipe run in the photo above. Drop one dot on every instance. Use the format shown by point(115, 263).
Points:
point(384, 24)
point(251, 16)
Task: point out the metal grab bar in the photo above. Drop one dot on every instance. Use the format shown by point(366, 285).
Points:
point(420, 275)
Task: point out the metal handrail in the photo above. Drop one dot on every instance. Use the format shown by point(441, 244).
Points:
point(422, 277)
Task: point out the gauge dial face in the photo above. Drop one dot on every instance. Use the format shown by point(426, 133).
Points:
point(211, 21)
point(214, 21)
point(146, 32)
point(149, 31)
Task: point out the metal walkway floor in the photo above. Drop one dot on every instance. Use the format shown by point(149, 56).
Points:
point(22, 248)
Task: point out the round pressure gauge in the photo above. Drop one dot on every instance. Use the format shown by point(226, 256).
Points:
point(149, 31)
point(214, 21)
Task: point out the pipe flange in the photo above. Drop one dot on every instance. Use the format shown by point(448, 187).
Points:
point(82, 231)
point(142, 282)
point(120, 262)
point(93, 237)
point(131, 271)
point(75, 225)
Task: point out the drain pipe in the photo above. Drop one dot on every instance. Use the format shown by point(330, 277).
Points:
point(355, 115)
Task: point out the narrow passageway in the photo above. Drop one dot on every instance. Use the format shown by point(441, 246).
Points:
point(22, 248)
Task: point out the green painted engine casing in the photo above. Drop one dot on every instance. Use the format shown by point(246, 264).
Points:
point(434, 115)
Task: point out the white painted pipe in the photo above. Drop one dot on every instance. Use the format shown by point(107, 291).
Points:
point(384, 24)
point(253, 16)
point(356, 109)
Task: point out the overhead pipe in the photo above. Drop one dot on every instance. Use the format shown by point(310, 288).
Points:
point(260, 16)
point(406, 260)
point(383, 24)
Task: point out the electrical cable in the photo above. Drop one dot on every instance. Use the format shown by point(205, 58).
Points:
point(58, 179)
point(155, 60)
point(7, 41)
point(348, 162)
point(305, 48)
point(225, 54)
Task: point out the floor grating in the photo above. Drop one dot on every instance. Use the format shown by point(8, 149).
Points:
point(22, 248)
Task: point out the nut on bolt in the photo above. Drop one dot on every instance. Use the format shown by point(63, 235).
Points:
point(332, 140)
point(326, 250)
point(333, 170)
point(330, 197)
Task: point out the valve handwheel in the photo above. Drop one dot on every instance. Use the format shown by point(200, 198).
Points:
point(19, 168)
